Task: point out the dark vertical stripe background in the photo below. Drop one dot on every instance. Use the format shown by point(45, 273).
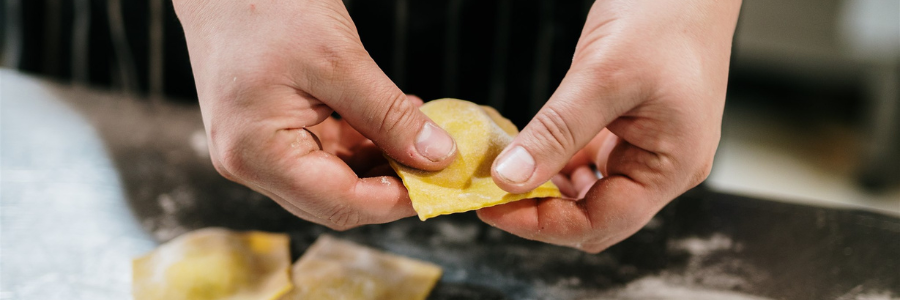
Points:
point(510, 54)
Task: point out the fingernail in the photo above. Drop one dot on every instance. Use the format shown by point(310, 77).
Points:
point(433, 143)
point(516, 166)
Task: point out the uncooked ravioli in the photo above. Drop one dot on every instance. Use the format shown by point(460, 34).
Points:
point(215, 263)
point(480, 134)
point(332, 269)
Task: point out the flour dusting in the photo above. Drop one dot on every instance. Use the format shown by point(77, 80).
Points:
point(670, 288)
point(199, 144)
point(701, 247)
point(455, 233)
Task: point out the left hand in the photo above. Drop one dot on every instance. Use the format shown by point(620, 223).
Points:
point(642, 103)
point(268, 72)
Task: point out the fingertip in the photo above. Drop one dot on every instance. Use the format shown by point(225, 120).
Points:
point(380, 170)
point(592, 249)
point(384, 199)
point(416, 101)
point(431, 149)
point(565, 186)
point(487, 215)
point(583, 178)
point(514, 170)
point(601, 160)
point(516, 217)
point(435, 148)
point(581, 158)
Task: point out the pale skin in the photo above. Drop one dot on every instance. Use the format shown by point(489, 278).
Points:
point(642, 103)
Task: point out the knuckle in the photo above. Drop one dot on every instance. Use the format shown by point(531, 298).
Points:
point(231, 164)
point(342, 218)
point(702, 172)
point(228, 155)
point(555, 131)
point(330, 60)
point(399, 114)
point(609, 72)
point(615, 78)
point(333, 60)
point(222, 170)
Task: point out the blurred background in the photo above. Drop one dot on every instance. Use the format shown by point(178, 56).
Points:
point(812, 114)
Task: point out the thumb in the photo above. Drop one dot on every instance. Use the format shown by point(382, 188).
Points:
point(577, 111)
point(369, 101)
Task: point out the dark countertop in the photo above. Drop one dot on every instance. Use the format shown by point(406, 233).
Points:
point(91, 179)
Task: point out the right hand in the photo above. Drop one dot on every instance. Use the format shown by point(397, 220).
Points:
point(267, 70)
point(642, 104)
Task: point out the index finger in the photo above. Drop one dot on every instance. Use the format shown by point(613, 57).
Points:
point(320, 187)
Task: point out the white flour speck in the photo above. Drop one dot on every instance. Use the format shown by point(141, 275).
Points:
point(455, 233)
point(198, 143)
point(698, 246)
point(663, 288)
point(858, 293)
point(167, 204)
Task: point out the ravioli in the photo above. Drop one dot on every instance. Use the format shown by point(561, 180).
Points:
point(481, 133)
point(215, 263)
point(335, 269)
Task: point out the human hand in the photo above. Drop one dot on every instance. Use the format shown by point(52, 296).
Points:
point(642, 102)
point(267, 72)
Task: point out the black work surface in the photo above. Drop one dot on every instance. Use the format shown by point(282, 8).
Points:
point(703, 245)
point(705, 241)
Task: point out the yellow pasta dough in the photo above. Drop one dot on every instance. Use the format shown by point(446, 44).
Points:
point(480, 134)
point(215, 263)
point(333, 269)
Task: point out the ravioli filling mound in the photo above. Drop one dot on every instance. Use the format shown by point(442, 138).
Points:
point(215, 263)
point(480, 134)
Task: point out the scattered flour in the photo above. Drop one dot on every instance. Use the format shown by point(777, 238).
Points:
point(701, 247)
point(721, 273)
point(166, 226)
point(663, 288)
point(699, 281)
point(199, 144)
point(167, 204)
point(877, 296)
point(857, 293)
point(455, 233)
